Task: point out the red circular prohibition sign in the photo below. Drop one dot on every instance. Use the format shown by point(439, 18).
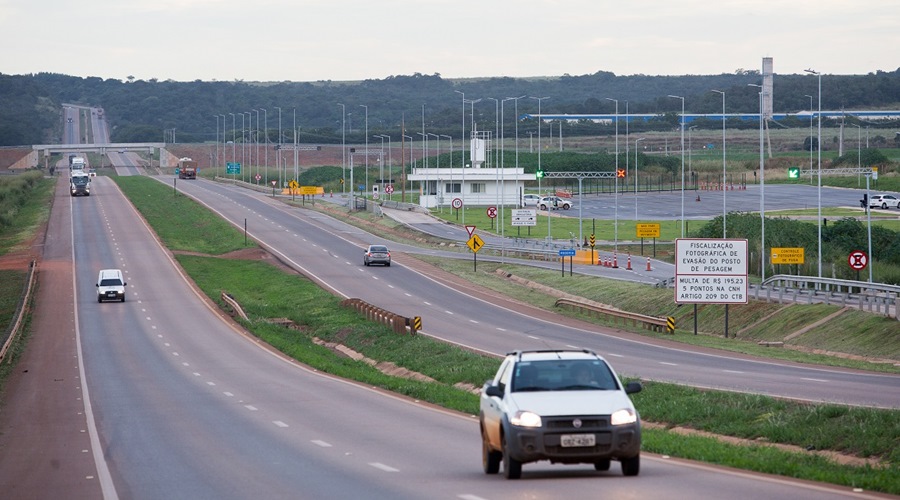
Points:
point(858, 260)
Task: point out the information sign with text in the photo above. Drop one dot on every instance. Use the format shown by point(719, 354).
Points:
point(711, 271)
point(787, 255)
point(648, 230)
point(524, 217)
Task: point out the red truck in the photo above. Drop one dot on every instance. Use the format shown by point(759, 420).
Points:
point(187, 169)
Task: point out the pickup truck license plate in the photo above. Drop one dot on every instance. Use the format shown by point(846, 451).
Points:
point(576, 440)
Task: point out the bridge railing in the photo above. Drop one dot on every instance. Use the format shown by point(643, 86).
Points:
point(878, 298)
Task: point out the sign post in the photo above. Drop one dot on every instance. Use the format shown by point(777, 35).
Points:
point(566, 252)
point(475, 243)
point(457, 204)
point(858, 261)
point(647, 231)
point(712, 271)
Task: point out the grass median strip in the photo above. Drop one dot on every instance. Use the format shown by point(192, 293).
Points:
point(266, 292)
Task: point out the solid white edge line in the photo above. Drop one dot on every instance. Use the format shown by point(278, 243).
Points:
point(107, 486)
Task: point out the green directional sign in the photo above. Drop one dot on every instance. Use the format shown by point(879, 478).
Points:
point(232, 168)
point(793, 172)
point(539, 174)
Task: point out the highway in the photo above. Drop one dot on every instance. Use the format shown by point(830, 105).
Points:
point(330, 251)
point(179, 403)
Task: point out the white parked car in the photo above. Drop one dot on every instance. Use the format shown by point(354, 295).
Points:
point(554, 203)
point(530, 200)
point(565, 406)
point(884, 201)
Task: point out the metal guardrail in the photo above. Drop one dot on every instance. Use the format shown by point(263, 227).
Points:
point(654, 323)
point(21, 310)
point(879, 298)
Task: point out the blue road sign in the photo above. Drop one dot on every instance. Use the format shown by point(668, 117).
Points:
point(567, 252)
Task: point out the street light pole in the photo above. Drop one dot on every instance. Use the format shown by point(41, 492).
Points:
point(682, 161)
point(762, 186)
point(343, 148)
point(636, 141)
point(451, 163)
point(540, 120)
point(616, 225)
point(217, 138)
point(724, 170)
point(819, 166)
point(257, 140)
point(810, 135)
point(437, 160)
point(516, 111)
point(367, 144)
point(266, 137)
point(233, 138)
point(381, 163)
point(278, 157)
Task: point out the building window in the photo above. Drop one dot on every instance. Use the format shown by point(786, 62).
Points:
point(477, 187)
point(452, 188)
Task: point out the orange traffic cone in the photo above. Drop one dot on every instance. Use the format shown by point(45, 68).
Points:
point(628, 263)
point(615, 263)
point(648, 263)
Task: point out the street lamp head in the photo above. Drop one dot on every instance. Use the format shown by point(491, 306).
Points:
point(811, 71)
point(718, 91)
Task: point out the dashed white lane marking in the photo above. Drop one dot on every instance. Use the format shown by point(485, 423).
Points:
point(321, 443)
point(667, 363)
point(615, 355)
point(211, 384)
point(467, 496)
point(813, 379)
point(279, 423)
point(533, 337)
point(250, 407)
point(230, 395)
point(733, 371)
point(386, 468)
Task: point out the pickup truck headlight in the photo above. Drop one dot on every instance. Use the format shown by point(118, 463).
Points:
point(525, 419)
point(623, 416)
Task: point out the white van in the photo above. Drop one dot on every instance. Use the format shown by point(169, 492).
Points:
point(110, 285)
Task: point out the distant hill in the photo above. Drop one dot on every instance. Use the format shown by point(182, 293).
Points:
point(139, 111)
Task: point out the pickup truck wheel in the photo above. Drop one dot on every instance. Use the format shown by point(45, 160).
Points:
point(490, 459)
point(631, 466)
point(512, 468)
point(601, 464)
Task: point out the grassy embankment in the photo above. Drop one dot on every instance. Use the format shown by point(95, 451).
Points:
point(24, 208)
point(262, 290)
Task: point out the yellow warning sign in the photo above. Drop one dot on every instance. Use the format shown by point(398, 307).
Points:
point(475, 243)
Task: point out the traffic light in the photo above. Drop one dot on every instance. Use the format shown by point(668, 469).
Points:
point(793, 172)
point(620, 173)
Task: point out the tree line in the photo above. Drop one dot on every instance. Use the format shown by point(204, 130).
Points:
point(141, 110)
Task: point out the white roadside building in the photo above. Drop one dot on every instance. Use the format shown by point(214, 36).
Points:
point(474, 185)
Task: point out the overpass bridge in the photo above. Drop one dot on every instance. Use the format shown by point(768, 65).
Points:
point(48, 149)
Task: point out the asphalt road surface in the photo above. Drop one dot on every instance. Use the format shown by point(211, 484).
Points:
point(178, 403)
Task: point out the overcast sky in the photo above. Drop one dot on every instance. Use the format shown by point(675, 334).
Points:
point(310, 40)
